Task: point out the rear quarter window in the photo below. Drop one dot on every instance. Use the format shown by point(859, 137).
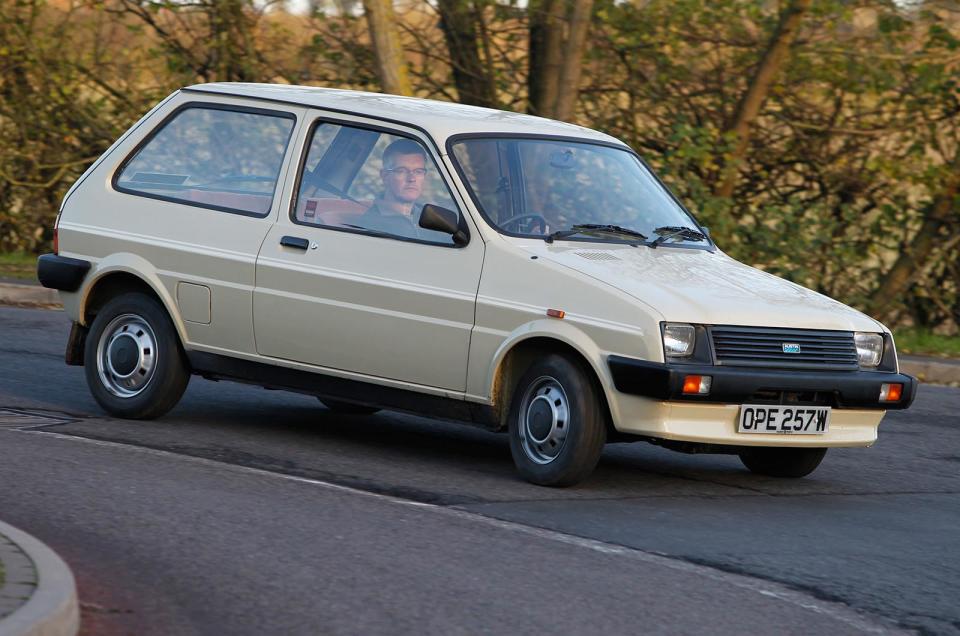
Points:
point(214, 157)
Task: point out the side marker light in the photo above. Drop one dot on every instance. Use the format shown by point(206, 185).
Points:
point(556, 313)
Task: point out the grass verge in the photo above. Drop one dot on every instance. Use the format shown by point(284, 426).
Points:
point(924, 342)
point(18, 265)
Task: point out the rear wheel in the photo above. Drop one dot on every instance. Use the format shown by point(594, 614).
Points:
point(346, 408)
point(782, 462)
point(557, 425)
point(133, 361)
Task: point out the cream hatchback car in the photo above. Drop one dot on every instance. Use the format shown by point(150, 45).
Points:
point(527, 275)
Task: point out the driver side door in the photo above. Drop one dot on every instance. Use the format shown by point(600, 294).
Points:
point(373, 304)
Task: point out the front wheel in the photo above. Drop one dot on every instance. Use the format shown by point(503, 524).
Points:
point(782, 462)
point(133, 360)
point(557, 425)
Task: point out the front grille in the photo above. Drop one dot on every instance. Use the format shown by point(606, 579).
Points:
point(764, 347)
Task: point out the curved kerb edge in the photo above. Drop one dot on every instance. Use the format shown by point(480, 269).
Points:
point(53, 609)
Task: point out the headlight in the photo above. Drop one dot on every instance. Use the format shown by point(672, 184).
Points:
point(678, 340)
point(869, 348)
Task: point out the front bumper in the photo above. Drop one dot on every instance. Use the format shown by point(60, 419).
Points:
point(716, 425)
point(732, 385)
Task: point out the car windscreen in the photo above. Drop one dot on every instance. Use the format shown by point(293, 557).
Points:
point(536, 187)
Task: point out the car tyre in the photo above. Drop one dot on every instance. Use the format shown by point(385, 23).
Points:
point(557, 425)
point(133, 360)
point(346, 408)
point(782, 462)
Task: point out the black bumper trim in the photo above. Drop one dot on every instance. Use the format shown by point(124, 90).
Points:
point(61, 272)
point(851, 389)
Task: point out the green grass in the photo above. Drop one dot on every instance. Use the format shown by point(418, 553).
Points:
point(18, 265)
point(923, 342)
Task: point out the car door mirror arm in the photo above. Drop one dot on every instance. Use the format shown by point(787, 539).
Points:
point(440, 219)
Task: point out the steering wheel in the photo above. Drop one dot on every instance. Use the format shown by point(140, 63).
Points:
point(515, 220)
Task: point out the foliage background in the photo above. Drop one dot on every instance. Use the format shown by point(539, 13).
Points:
point(847, 182)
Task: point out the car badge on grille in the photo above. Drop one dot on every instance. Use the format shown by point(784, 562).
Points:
point(790, 347)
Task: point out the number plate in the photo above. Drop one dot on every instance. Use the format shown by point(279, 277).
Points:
point(785, 420)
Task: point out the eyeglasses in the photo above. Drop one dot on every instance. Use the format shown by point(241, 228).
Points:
point(406, 172)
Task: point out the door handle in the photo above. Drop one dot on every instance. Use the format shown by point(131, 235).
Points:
point(295, 241)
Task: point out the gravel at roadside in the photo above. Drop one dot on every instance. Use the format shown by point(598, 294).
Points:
point(932, 370)
point(27, 294)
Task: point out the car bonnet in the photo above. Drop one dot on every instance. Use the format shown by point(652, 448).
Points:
point(700, 286)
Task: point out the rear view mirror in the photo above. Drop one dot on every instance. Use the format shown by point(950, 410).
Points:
point(562, 159)
point(438, 219)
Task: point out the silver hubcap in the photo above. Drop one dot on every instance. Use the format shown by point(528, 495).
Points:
point(544, 420)
point(127, 355)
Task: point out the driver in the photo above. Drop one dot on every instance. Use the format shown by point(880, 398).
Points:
point(395, 210)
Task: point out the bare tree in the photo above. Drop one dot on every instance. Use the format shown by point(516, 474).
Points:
point(934, 237)
point(546, 53)
point(752, 100)
point(213, 40)
point(569, 85)
point(462, 25)
point(558, 33)
point(391, 66)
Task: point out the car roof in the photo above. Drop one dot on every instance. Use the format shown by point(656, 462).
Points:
point(441, 120)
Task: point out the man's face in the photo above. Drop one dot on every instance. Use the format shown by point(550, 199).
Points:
point(403, 177)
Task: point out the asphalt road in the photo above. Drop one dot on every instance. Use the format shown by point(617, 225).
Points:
point(254, 511)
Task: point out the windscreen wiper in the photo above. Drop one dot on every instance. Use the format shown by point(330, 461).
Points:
point(668, 232)
point(593, 227)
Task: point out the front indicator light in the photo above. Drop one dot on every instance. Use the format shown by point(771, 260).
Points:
point(697, 384)
point(869, 348)
point(891, 392)
point(678, 340)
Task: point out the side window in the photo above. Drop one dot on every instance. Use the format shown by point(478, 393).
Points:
point(363, 179)
point(212, 157)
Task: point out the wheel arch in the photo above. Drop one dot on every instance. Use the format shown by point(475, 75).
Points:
point(123, 274)
point(516, 355)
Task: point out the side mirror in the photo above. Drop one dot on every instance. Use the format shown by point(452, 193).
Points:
point(438, 219)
